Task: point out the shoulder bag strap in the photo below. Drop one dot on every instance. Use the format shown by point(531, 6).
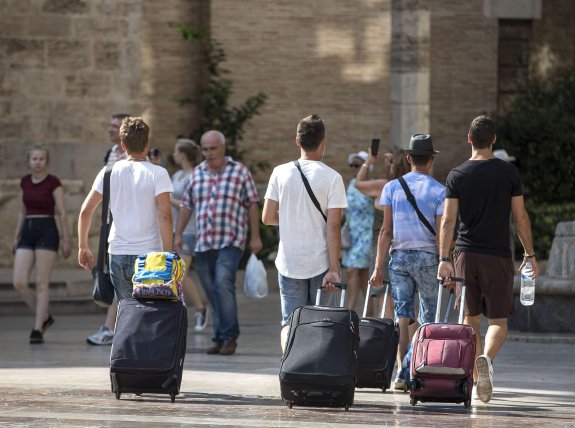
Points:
point(106, 221)
point(411, 200)
point(309, 191)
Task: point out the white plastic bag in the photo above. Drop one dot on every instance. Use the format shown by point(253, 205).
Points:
point(256, 278)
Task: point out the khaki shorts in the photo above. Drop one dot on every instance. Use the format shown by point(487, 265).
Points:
point(489, 281)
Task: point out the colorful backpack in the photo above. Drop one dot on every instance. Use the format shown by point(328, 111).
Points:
point(158, 275)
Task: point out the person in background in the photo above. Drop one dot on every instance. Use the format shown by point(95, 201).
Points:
point(481, 192)
point(155, 156)
point(359, 216)
point(105, 333)
point(36, 241)
point(373, 188)
point(140, 206)
point(223, 197)
point(186, 155)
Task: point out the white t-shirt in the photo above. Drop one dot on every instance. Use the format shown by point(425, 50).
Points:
point(133, 190)
point(302, 252)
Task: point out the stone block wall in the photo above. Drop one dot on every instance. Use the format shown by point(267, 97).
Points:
point(329, 57)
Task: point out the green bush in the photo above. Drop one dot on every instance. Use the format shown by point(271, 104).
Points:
point(539, 130)
point(544, 219)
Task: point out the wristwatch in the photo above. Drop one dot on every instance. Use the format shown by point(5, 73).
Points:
point(444, 259)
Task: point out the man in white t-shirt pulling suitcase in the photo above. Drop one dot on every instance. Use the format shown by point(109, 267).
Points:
point(140, 206)
point(308, 254)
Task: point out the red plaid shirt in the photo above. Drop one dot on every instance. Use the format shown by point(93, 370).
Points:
point(220, 203)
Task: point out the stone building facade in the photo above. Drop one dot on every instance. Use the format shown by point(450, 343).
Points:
point(370, 68)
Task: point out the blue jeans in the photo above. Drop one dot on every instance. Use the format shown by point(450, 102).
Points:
point(301, 292)
point(411, 270)
point(217, 272)
point(121, 272)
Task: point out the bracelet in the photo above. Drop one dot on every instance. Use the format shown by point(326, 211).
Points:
point(444, 259)
point(529, 256)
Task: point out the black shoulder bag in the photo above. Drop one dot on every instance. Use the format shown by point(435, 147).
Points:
point(309, 191)
point(411, 200)
point(103, 292)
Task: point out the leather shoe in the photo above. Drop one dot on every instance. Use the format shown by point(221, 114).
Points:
point(215, 349)
point(229, 347)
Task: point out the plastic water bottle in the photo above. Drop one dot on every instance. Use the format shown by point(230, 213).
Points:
point(527, 294)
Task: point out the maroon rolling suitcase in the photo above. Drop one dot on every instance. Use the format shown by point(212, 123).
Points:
point(443, 359)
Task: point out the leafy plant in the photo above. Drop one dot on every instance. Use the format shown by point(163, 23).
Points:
point(213, 100)
point(539, 129)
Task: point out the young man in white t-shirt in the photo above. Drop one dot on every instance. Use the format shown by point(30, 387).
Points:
point(308, 254)
point(140, 206)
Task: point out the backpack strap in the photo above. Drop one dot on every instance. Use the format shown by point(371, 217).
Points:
point(309, 191)
point(411, 200)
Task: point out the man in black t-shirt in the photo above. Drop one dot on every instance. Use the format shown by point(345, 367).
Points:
point(484, 190)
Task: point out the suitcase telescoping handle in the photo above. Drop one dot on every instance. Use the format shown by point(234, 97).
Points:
point(461, 303)
point(374, 293)
point(339, 285)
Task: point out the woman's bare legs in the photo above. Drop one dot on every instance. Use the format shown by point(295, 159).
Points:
point(23, 262)
point(191, 292)
point(44, 263)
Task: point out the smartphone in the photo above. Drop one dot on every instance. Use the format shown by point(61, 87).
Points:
point(374, 146)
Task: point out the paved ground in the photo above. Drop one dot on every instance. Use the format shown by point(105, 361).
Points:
point(64, 382)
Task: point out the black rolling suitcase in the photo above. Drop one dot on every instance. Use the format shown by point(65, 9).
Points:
point(320, 359)
point(149, 347)
point(378, 346)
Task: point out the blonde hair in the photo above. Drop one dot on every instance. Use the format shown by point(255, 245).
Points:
point(189, 148)
point(38, 147)
point(134, 134)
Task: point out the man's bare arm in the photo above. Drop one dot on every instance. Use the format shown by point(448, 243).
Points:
point(165, 220)
point(270, 213)
point(523, 228)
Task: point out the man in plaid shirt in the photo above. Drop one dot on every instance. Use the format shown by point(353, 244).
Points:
point(223, 197)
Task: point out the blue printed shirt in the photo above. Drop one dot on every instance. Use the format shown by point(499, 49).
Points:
point(409, 233)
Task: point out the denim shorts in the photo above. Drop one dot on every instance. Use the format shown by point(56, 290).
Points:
point(189, 244)
point(301, 292)
point(121, 272)
point(411, 271)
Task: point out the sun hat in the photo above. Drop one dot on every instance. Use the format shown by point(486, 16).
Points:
point(503, 155)
point(420, 144)
point(362, 155)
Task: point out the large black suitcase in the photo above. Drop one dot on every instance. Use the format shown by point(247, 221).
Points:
point(378, 346)
point(319, 364)
point(149, 347)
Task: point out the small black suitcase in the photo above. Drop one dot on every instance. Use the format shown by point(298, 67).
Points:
point(378, 346)
point(149, 347)
point(320, 360)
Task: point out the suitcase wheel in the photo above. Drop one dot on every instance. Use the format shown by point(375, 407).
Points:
point(467, 404)
point(347, 407)
point(289, 404)
point(118, 394)
point(383, 390)
point(413, 401)
point(173, 397)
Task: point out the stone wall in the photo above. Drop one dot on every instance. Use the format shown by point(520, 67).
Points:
point(329, 57)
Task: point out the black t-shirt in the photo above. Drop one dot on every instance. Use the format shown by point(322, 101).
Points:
point(484, 189)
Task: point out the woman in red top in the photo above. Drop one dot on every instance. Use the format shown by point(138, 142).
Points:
point(36, 240)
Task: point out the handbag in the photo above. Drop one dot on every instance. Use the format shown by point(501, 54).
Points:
point(255, 279)
point(103, 290)
point(158, 275)
point(345, 236)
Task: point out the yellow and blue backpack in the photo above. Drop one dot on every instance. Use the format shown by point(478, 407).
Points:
point(158, 275)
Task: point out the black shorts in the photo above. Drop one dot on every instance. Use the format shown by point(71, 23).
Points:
point(39, 233)
point(489, 282)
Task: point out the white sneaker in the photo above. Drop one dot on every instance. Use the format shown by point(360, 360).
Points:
point(104, 336)
point(201, 319)
point(484, 378)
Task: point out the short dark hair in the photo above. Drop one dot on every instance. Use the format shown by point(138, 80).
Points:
point(134, 134)
point(310, 132)
point(120, 116)
point(420, 160)
point(482, 131)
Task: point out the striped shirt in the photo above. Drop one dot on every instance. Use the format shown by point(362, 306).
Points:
point(220, 202)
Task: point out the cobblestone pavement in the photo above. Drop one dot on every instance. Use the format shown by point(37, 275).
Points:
point(65, 382)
